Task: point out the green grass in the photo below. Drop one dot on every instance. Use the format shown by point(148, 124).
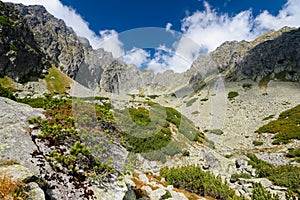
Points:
point(7, 92)
point(191, 102)
point(285, 128)
point(57, 82)
point(140, 116)
point(3, 20)
point(34, 102)
point(6, 82)
point(148, 130)
point(294, 153)
point(184, 125)
point(257, 143)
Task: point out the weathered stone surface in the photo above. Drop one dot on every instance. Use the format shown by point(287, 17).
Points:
point(15, 141)
point(35, 192)
point(274, 55)
point(20, 56)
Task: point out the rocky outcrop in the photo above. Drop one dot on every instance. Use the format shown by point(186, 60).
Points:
point(24, 157)
point(20, 56)
point(274, 55)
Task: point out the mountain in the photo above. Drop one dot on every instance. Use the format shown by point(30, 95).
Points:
point(232, 117)
point(17, 44)
point(273, 55)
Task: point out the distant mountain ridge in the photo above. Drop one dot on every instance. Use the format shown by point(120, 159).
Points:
point(274, 55)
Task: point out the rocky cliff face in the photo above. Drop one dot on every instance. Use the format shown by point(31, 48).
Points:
point(275, 55)
point(92, 68)
point(20, 56)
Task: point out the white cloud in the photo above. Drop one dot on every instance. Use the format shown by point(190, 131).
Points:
point(136, 56)
point(168, 28)
point(202, 31)
point(289, 15)
point(110, 42)
point(206, 30)
point(79, 25)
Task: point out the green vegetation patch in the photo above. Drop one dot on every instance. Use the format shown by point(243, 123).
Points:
point(57, 82)
point(257, 143)
point(6, 82)
point(215, 131)
point(284, 175)
point(3, 20)
point(153, 96)
point(140, 116)
point(7, 92)
point(260, 193)
point(194, 179)
point(232, 95)
point(294, 153)
point(268, 117)
point(13, 48)
point(66, 123)
point(235, 177)
point(147, 130)
point(184, 125)
point(285, 128)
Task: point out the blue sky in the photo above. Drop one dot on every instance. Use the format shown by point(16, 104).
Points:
point(123, 15)
point(181, 29)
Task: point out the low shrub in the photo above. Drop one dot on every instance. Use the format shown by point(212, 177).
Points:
point(235, 177)
point(232, 95)
point(257, 143)
point(284, 175)
point(186, 153)
point(194, 179)
point(260, 193)
point(285, 128)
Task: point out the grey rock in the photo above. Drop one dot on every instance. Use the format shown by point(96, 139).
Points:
point(17, 172)
point(15, 142)
point(35, 192)
point(157, 194)
point(130, 195)
point(269, 56)
point(17, 44)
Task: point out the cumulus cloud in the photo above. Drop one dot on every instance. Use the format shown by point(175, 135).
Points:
point(289, 15)
point(136, 56)
point(203, 31)
point(108, 39)
point(168, 28)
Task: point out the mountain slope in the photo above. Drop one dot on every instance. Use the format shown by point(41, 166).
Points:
point(20, 56)
point(274, 55)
